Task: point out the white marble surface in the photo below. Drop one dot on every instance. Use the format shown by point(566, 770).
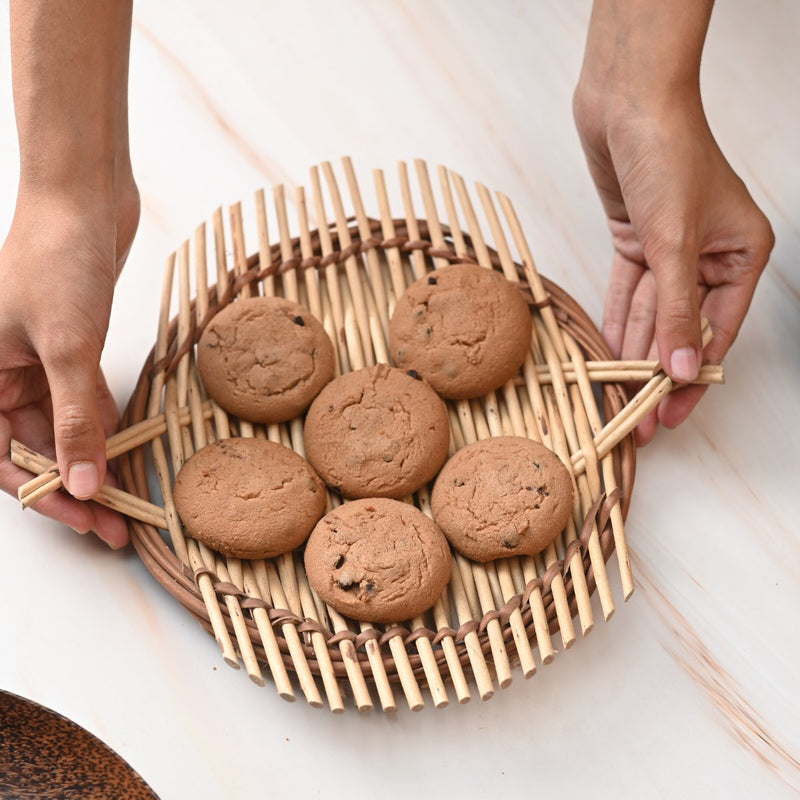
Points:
point(691, 690)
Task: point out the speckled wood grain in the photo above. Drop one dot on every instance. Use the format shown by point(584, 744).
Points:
point(44, 755)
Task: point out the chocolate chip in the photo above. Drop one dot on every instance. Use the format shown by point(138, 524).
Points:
point(370, 587)
point(299, 321)
point(414, 374)
point(510, 539)
point(346, 583)
point(432, 281)
point(339, 561)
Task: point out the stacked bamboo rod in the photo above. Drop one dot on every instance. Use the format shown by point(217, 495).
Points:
point(349, 274)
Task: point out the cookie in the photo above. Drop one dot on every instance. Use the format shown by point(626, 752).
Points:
point(378, 560)
point(265, 359)
point(377, 432)
point(501, 497)
point(249, 498)
point(463, 328)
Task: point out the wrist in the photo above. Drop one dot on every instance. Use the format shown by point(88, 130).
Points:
point(641, 57)
point(66, 172)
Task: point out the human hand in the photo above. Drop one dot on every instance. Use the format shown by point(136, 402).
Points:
point(58, 268)
point(688, 238)
point(76, 216)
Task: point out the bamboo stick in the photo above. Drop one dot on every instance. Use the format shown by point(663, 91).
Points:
point(417, 260)
point(607, 466)
point(351, 264)
point(289, 278)
point(319, 644)
point(231, 572)
point(109, 496)
point(310, 276)
point(267, 575)
point(596, 371)
point(277, 669)
point(331, 284)
point(379, 676)
point(374, 270)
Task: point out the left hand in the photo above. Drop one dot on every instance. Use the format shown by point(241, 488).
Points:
point(688, 239)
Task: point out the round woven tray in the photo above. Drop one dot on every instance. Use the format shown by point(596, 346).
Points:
point(349, 272)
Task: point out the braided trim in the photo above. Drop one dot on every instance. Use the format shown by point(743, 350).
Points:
point(277, 266)
point(599, 514)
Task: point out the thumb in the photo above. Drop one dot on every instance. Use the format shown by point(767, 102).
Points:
point(77, 421)
point(678, 334)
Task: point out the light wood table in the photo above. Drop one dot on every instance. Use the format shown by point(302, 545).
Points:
point(691, 690)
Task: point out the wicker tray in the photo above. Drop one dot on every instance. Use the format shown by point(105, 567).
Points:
point(349, 272)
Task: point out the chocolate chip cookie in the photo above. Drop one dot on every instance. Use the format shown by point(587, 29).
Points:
point(502, 497)
point(264, 359)
point(377, 432)
point(378, 560)
point(463, 328)
point(249, 498)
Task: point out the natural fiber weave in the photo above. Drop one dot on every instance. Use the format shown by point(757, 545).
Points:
point(349, 273)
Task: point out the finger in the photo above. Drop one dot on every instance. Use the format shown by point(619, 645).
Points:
point(648, 425)
point(22, 386)
point(677, 327)
point(77, 421)
point(725, 308)
point(81, 516)
point(109, 411)
point(640, 325)
point(676, 406)
point(109, 526)
point(679, 403)
point(646, 429)
point(624, 278)
point(84, 517)
point(638, 344)
point(56, 506)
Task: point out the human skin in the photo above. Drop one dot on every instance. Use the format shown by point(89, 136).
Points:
point(688, 239)
point(76, 216)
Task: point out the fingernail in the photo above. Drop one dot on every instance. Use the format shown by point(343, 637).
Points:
point(83, 480)
point(683, 364)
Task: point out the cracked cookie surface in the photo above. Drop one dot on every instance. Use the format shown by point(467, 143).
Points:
point(377, 432)
point(265, 358)
point(502, 497)
point(249, 498)
point(463, 328)
point(378, 560)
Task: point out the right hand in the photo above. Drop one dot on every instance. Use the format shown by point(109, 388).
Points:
point(58, 267)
